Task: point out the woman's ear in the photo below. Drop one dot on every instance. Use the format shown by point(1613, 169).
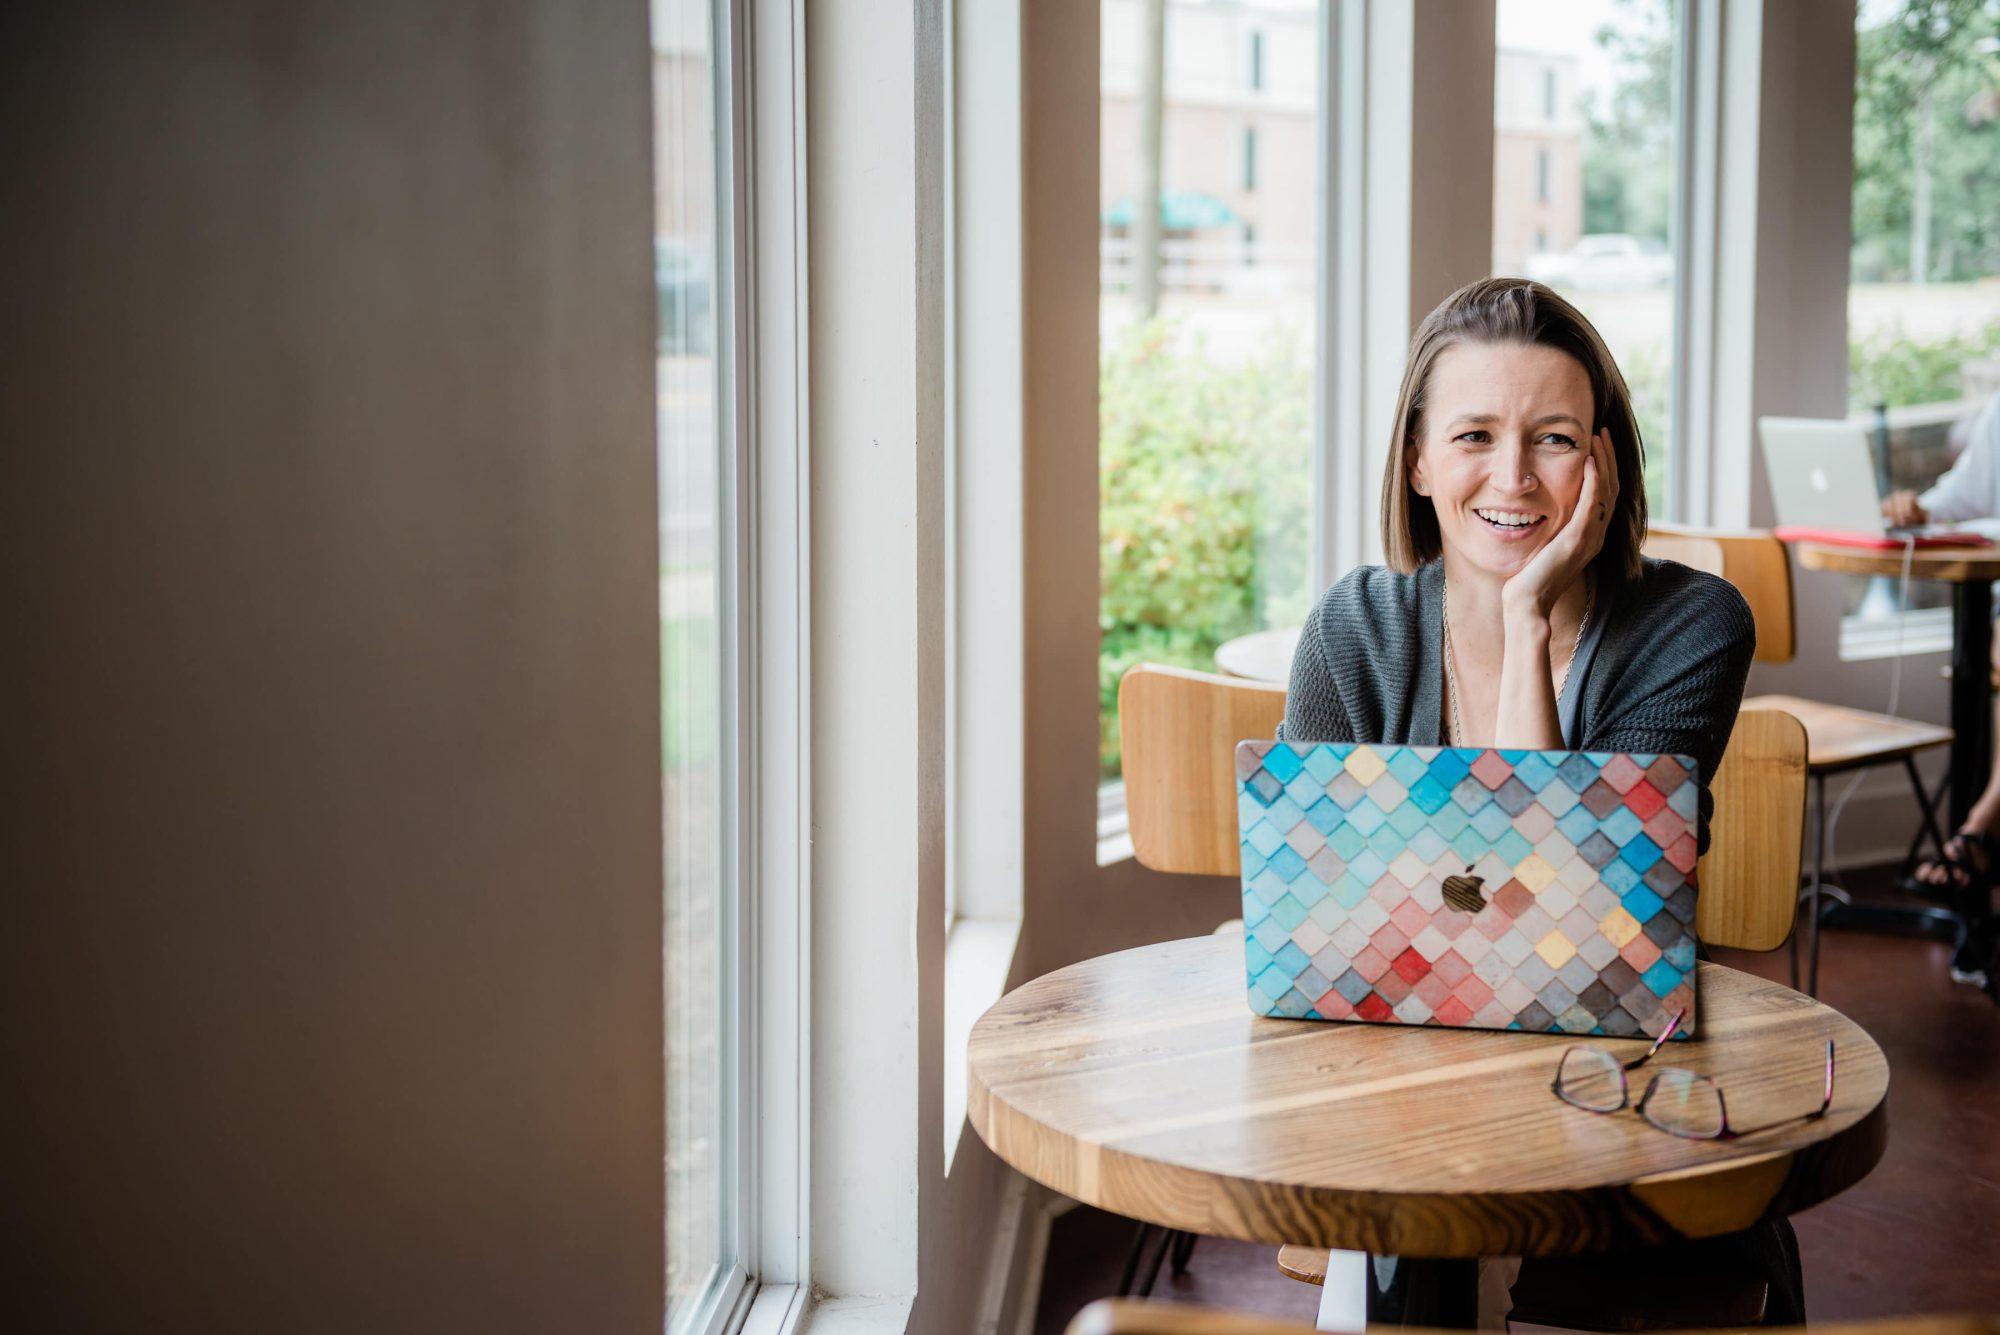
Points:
point(1416, 470)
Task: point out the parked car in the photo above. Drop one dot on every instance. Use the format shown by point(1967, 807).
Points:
point(1607, 261)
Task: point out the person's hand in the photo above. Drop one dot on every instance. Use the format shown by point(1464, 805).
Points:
point(1535, 589)
point(1901, 509)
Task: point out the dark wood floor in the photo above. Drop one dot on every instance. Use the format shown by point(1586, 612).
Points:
point(1921, 1234)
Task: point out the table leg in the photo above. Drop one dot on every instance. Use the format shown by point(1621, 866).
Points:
point(1972, 736)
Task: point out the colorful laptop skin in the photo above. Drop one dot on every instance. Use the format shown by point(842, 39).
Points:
point(1551, 891)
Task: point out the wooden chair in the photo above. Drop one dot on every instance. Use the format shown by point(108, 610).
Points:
point(1838, 739)
point(1180, 729)
point(1178, 732)
point(1113, 1316)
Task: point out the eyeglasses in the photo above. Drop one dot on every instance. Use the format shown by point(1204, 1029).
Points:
point(1681, 1103)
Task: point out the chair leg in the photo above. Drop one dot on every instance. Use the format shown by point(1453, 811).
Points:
point(1183, 1249)
point(1928, 805)
point(1167, 1241)
point(1819, 878)
point(1343, 1299)
point(1131, 1271)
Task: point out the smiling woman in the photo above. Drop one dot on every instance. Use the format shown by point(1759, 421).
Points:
point(1516, 610)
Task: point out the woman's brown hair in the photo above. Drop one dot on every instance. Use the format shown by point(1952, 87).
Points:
point(1512, 310)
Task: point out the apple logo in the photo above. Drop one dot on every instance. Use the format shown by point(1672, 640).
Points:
point(1465, 892)
point(1819, 482)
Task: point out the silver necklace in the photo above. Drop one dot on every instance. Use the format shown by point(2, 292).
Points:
point(1451, 668)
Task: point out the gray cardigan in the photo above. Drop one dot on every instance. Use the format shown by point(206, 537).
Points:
point(1666, 678)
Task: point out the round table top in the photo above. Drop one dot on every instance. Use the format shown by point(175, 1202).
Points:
point(1948, 565)
point(1263, 656)
point(1140, 1082)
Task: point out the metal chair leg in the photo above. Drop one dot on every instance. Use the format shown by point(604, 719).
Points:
point(1183, 1249)
point(1819, 878)
point(1131, 1270)
point(1167, 1240)
point(1928, 805)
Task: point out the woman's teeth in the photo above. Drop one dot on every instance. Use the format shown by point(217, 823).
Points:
point(1509, 518)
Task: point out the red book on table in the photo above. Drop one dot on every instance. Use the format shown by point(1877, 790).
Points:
point(1878, 541)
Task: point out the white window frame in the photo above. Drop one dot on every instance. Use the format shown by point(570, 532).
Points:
point(984, 646)
point(761, 199)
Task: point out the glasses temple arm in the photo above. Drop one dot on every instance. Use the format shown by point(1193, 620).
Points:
point(1672, 1026)
point(1826, 1102)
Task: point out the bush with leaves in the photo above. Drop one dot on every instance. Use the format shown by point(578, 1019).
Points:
point(1888, 367)
point(1205, 502)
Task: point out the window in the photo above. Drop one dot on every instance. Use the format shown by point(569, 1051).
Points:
point(696, 633)
point(1207, 361)
point(1923, 311)
point(1256, 61)
point(1584, 189)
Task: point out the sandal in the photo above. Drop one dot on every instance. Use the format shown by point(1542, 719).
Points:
point(1962, 873)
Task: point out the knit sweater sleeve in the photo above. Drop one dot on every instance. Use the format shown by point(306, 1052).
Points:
point(1682, 699)
point(1313, 708)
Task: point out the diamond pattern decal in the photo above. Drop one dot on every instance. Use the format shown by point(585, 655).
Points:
point(1362, 866)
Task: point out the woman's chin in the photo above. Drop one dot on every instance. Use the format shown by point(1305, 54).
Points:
point(1501, 559)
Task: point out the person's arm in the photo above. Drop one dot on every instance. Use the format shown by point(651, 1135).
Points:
point(1313, 711)
point(1691, 709)
point(1971, 488)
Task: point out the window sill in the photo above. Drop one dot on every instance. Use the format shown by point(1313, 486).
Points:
point(857, 1316)
point(977, 958)
point(1922, 632)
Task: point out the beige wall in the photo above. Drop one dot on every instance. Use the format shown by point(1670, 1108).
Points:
point(330, 958)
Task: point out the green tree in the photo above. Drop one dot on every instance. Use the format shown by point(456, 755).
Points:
point(1927, 143)
point(1628, 136)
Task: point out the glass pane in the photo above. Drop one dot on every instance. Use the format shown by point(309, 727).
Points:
point(1585, 118)
point(693, 644)
point(1210, 125)
point(1923, 306)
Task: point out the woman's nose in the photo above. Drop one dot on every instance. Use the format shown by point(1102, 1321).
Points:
point(1513, 472)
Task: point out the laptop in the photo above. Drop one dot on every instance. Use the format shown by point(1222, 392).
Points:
point(1822, 477)
point(1550, 891)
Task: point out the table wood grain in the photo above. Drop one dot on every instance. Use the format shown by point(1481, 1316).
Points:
point(1140, 1082)
point(1946, 565)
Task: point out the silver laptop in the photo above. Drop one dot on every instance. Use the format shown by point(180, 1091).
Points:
point(1822, 476)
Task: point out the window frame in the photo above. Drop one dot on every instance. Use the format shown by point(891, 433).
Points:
point(764, 511)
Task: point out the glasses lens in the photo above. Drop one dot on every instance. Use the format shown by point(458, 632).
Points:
point(1591, 1078)
point(1685, 1104)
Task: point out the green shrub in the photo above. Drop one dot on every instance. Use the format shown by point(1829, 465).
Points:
point(1888, 367)
point(1205, 502)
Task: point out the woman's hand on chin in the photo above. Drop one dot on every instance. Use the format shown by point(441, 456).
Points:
point(1535, 589)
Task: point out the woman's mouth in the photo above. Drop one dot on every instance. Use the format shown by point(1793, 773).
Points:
point(1510, 523)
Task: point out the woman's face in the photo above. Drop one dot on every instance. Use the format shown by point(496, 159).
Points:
point(1501, 449)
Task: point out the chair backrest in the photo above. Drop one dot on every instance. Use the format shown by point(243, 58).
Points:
point(1749, 878)
point(1179, 731)
point(1133, 1316)
point(1755, 562)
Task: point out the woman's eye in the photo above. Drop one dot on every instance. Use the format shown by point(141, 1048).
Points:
point(1556, 438)
point(1473, 437)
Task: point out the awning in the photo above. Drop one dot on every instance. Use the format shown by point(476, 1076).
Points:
point(1180, 211)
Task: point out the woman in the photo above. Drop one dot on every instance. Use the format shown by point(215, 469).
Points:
point(1515, 610)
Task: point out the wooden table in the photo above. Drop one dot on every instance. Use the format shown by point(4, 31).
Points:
point(1263, 656)
point(1141, 1083)
point(1971, 572)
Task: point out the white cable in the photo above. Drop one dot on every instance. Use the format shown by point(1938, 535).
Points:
point(1895, 698)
